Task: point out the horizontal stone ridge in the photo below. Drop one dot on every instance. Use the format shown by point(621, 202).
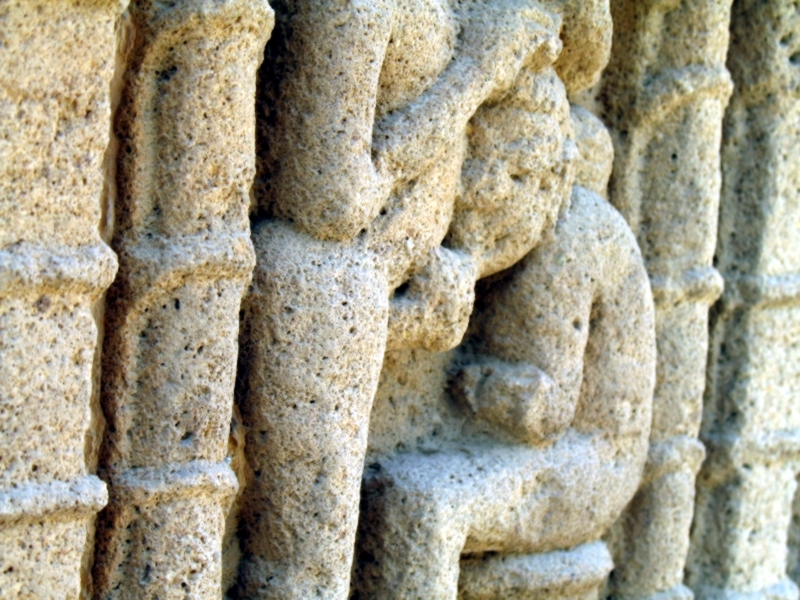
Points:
point(701, 284)
point(153, 485)
point(762, 291)
point(671, 455)
point(26, 267)
point(569, 572)
point(27, 502)
point(733, 450)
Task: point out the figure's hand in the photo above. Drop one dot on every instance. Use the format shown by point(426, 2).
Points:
point(519, 400)
point(433, 312)
point(504, 35)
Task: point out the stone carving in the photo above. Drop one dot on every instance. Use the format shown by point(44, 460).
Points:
point(186, 163)
point(56, 67)
point(554, 385)
point(751, 423)
point(365, 109)
point(377, 331)
point(663, 96)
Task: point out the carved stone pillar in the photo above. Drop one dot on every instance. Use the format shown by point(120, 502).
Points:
point(186, 163)
point(663, 97)
point(56, 67)
point(751, 425)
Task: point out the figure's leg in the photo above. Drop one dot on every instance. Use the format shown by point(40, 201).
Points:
point(313, 338)
point(410, 542)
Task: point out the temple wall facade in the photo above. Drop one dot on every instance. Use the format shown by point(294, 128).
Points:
point(400, 299)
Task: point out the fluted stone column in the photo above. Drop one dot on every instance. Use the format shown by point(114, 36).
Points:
point(186, 163)
point(751, 425)
point(56, 67)
point(663, 97)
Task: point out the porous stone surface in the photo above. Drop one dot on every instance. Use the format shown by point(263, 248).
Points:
point(663, 96)
point(381, 326)
point(542, 415)
point(751, 420)
point(186, 129)
point(56, 66)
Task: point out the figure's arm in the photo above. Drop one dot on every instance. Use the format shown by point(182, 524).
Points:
point(433, 312)
point(324, 178)
point(532, 335)
point(498, 38)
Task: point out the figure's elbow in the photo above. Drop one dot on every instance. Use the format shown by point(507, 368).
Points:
point(332, 201)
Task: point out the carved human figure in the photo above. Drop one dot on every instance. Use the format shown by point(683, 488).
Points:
point(556, 379)
point(365, 110)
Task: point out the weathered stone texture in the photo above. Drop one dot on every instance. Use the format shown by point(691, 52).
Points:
point(56, 66)
point(186, 130)
point(751, 420)
point(412, 299)
point(663, 95)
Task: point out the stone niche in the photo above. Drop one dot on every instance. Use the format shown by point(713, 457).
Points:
point(399, 299)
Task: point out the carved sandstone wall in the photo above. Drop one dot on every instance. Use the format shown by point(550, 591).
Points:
point(406, 299)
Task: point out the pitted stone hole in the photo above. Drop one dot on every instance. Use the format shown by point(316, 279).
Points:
point(9, 570)
point(401, 290)
point(577, 324)
point(795, 58)
point(187, 437)
point(177, 304)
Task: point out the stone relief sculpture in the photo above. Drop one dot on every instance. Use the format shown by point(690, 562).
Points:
point(365, 112)
point(376, 331)
point(556, 382)
point(54, 266)
point(750, 421)
point(553, 388)
point(663, 96)
point(186, 163)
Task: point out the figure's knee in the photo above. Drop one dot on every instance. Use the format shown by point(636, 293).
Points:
point(409, 542)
